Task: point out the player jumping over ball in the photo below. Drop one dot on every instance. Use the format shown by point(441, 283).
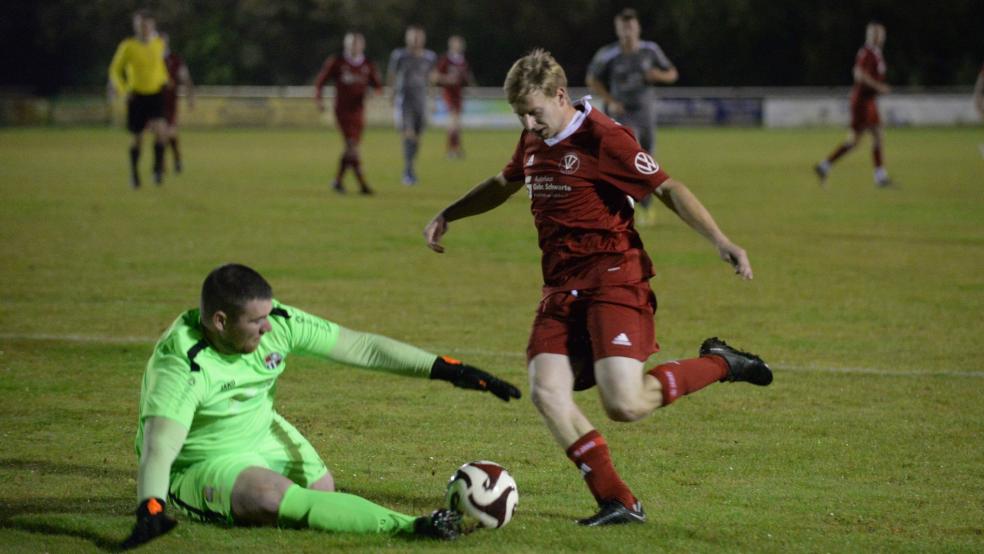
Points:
point(594, 324)
point(211, 444)
point(869, 82)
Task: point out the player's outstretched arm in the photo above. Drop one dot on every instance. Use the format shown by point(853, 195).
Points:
point(487, 195)
point(373, 351)
point(468, 377)
point(163, 438)
point(678, 198)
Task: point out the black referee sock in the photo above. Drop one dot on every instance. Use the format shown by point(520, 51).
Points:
point(134, 159)
point(158, 158)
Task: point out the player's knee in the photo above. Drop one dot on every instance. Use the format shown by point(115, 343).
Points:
point(623, 410)
point(325, 484)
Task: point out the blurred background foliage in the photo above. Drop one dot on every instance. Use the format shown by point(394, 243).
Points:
point(56, 44)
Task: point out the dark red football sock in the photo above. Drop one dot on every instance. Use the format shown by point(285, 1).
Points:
point(876, 154)
point(590, 454)
point(342, 166)
point(174, 148)
point(357, 168)
point(687, 376)
point(454, 140)
point(840, 151)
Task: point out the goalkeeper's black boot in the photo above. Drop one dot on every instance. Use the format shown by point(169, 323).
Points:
point(742, 366)
point(613, 512)
point(441, 524)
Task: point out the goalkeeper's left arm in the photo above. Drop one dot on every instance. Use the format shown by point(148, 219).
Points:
point(163, 438)
point(379, 352)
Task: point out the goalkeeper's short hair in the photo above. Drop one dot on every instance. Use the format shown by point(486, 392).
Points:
point(228, 288)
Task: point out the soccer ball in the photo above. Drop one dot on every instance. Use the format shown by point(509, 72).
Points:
point(485, 491)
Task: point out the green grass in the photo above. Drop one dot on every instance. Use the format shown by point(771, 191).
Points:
point(867, 302)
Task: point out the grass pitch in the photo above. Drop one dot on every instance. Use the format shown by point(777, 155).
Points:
point(866, 302)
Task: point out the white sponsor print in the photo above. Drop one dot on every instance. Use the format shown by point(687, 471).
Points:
point(645, 164)
point(622, 340)
point(569, 163)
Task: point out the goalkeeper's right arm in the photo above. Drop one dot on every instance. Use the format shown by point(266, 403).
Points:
point(162, 441)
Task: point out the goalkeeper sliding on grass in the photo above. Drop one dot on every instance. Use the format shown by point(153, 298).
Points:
point(209, 440)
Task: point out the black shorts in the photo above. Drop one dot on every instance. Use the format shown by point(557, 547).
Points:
point(142, 108)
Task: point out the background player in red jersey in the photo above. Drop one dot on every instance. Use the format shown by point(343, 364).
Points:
point(594, 324)
point(869, 82)
point(352, 75)
point(179, 76)
point(453, 74)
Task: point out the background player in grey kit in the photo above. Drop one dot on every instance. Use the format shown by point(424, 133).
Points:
point(621, 75)
point(409, 75)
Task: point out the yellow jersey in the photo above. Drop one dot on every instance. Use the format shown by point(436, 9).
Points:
point(138, 66)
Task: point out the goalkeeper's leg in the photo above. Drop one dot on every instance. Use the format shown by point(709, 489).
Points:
point(264, 497)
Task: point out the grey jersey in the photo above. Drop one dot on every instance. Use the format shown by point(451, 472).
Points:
point(623, 74)
point(411, 74)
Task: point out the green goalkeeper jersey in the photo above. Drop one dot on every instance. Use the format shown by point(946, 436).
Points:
point(226, 400)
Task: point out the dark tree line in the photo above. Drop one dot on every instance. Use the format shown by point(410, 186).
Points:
point(52, 45)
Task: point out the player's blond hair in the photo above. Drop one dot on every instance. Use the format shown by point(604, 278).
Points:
point(537, 70)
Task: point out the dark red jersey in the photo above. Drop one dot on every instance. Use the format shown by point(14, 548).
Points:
point(455, 70)
point(351, 79)
point(173, 63)
point(579, 183)
point(870, 61)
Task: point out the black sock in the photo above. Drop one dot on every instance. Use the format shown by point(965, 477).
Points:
point(158, 157)
point(134, 158)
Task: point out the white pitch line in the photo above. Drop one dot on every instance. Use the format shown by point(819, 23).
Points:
point(97, 339)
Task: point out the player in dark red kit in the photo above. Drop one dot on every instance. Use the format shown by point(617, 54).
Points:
point(869, 82)
point(179, 76)
point(352, 75)
point(594, 324)
point(453, 74)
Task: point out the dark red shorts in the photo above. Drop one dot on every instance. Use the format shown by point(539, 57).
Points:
point(453, 101)
point(587, 325)
point(864, 114)
point(350, 124)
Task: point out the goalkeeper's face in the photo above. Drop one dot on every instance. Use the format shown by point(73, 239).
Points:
point(243, 334)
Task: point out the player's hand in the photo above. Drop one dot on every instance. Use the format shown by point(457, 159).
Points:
point(434, 231)
point(736, 256)
point(152, 522)
point(468, 377)
point(320, 105)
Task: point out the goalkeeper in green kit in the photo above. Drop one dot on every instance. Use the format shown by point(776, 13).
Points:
point(211, 444)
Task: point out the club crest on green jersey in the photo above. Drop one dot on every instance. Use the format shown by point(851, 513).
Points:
point(272, 360)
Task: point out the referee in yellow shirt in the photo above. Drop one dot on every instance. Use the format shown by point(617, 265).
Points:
point(138, 71)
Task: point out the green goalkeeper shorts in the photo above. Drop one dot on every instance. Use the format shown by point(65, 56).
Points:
point(204, 490)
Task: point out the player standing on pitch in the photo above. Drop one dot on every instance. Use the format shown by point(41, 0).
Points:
point(594, 324)
point(453, 74)
point(869, 82)
point(622, 75)
point(352, 75)
point(137, 71)
point(408, 76)
point(210, 442)
point(180, 76)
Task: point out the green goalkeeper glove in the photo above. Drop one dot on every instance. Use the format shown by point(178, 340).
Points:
point(468, 377)
point(152, 522)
